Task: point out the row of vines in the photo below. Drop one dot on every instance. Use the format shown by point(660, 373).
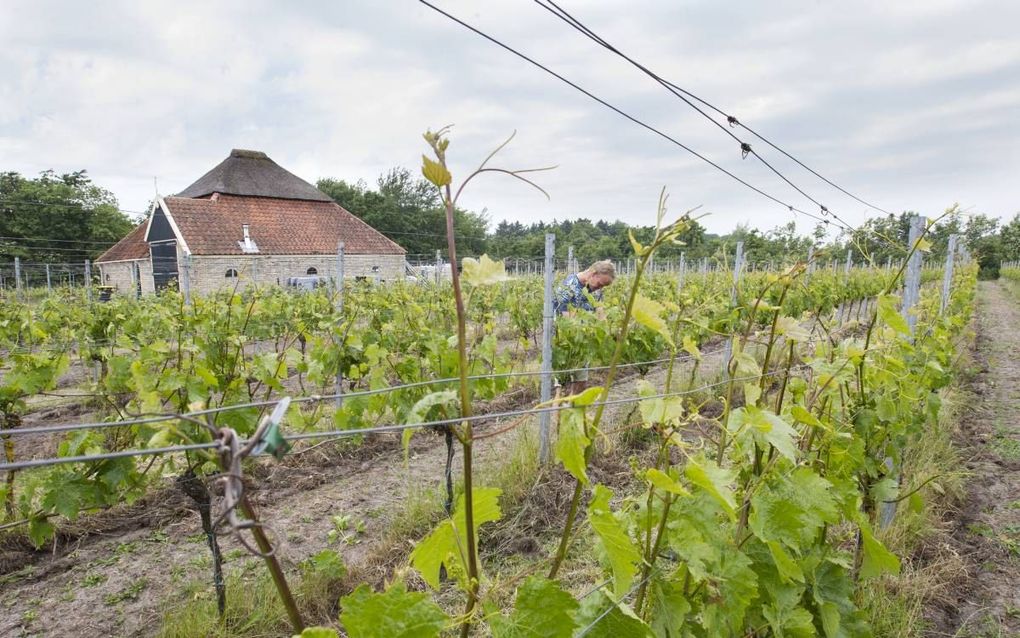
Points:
point(765, 526)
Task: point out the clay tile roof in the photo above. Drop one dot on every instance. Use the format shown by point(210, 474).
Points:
point(252, 173)
point(277, 226)
point(133, 246)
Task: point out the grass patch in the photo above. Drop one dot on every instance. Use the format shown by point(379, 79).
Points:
point(253, 609)
point(1007, 447)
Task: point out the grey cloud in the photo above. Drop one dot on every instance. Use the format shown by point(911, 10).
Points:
point(912, 104)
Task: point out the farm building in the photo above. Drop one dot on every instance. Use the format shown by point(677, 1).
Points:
point(248, 220)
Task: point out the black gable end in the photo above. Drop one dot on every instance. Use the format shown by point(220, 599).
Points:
point(159, 228)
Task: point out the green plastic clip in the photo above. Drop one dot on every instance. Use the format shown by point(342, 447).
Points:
point(272, 441)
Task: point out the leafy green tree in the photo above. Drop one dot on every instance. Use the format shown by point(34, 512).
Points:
point(58, 217)
point(1010, 239)
point(408, 210)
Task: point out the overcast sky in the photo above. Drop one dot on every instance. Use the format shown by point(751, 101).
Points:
point(911, 105)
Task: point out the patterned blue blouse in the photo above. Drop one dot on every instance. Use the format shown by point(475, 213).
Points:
point(573, 294)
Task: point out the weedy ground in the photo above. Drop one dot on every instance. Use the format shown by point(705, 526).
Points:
point(967, 565)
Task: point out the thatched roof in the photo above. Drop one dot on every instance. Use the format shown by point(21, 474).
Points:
point(253, 174)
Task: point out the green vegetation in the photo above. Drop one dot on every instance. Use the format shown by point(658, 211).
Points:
point(65, 217)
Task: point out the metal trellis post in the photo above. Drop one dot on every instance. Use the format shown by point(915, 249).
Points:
point(88, 280)
point(339, 311)
point(545, 445)
point(49, 282)
point(17, 277)
point(911, 288)
point(738, 262)
point(947, 279)
point(186, 280)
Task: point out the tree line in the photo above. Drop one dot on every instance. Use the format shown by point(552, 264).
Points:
point(67, 217)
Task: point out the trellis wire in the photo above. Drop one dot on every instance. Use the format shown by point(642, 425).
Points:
point(374, 430)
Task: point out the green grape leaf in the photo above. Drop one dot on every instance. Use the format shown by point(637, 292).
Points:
point(877, 559)
point(571, 444)
point(890, 315)
point(448, 542)
point(623, 555)
point(668, 608)
point(635, 244)
point(395, 613)
point(542, 610)
point(715, 480)
point(601, 617)
point(586, 397)
point(483, 271)
point(648, 313)
point(802, 415)
point(752, 392)
point(773, 429)
point(691, 347)
point(421, 409)
point(665, 482)
point(435, 172)
point(787, 567)
point(795, 622)
point(792, 329)
point(40, 530)
point(317, 632)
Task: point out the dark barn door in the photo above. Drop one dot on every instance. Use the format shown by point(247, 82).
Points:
point(164, 264)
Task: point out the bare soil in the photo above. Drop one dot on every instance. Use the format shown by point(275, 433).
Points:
point(986, 528)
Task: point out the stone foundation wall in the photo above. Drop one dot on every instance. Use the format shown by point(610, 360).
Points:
point(118, 275)
point(208, 273)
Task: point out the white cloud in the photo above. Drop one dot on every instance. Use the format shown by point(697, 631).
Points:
point(912, 104)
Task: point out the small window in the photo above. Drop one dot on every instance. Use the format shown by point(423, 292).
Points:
point(231, 274)
point(312, 271)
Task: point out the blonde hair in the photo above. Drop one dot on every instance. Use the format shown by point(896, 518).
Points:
point(604, 267)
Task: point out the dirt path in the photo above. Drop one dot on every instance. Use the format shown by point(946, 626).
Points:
point(987, 530)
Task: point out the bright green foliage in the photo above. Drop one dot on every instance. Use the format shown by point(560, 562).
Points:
point(877, 559)
point(542, 610)
point(572, 442)
point(447, 544)
point(665, 482)
point(765, 428)
point(619, 549)
point(619, 622)
point(658, 410)
point(716, 481)
point(483, 271)
point(395, 613)
point(317, 632)
point(668, 608)
point(649, 313)
point(423, 408)
point(890, 315)
point(435, 172)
